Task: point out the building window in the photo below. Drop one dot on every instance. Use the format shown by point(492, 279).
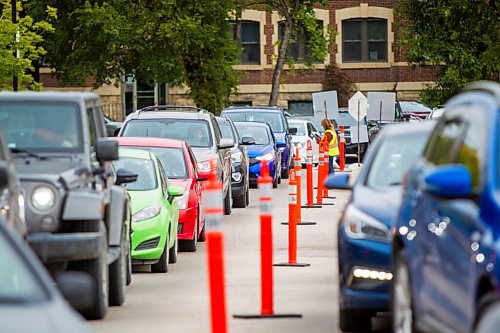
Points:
point(303, 108)
point(364, 40)
point(250, 42)
point(298, 47)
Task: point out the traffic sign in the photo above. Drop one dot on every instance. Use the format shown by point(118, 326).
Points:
point(358, 106)
point(381, 106)
point(325, 105)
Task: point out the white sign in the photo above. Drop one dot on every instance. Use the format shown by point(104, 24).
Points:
point(325, 103)
point(381, 106)
point(363, 134)
point(358, 105)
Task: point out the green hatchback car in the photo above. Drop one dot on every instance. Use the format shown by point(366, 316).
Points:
point(155, 213)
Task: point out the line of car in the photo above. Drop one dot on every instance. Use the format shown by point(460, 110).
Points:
point(418, 237)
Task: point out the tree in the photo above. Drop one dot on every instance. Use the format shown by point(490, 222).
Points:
point(461, 37)
point(337, 80)
point(179, 42)
point(20, 44)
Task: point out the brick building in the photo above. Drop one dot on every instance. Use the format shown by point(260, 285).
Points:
point(365, 48)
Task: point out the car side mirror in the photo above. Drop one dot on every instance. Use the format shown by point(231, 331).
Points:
point(106, 150)
point(77, 288)
point(338, 181)
point(173, 192)
point(4, 174)
point(247, 141)
point(124, 176)
point(292, 131)
point(449, 181)
point(226, 143)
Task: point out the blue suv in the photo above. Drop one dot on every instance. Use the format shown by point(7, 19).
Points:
point(275, 117)
point(447, 236)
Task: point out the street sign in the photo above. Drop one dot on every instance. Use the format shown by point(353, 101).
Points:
point(381, 106)
point(358, 106)
point(325, 105)
point(362, 134)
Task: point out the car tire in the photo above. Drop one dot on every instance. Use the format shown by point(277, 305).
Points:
point(275, 182)
point(202, 237)
point(118, 275)
point(403, 315)
point(241, 201)
point(191, 245)
point(227, 202)
point(129, 263)
point(285, 173)
point(172, 254)
point(162, 265)
point(354, 320)
point(247, 196)
point(98, 270)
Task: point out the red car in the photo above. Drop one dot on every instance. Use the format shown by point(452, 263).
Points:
point(181, 169)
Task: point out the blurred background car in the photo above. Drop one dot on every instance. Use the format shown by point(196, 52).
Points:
point(264, 149)
point(181, 170)
point(415, 109)
point(364, 238)
point(155, 213)
point(436, 113)
point(112, 127)
point(305, 132)
point(275, 117)
point(239, 155)
point(198, 128)
point(446, 257)
point(29, 299)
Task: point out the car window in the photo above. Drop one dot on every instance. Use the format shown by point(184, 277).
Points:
point(274, 119)
point(226, 130)
point(259, 134)
point(163, 179)
point(37, 126)
point(217, 131)
point(18, 282)
point(300, 128)
point(396, 154)
point(145, 170)
point(414, 107)
point(444, 142)
point(172, 160)
point(195, 131)
point(92, 127)
point(193, 161)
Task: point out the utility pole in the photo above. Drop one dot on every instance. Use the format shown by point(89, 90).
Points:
point(15, 82)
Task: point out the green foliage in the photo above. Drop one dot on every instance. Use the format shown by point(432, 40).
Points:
point(174, 41)
point(30, 35)
point(460, 36)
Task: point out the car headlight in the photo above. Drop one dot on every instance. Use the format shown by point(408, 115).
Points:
point(146, 213)
point(43, 198)
point(237, 157)
point(183, 200)
point(360, 225)
point(208, 165)
point(267, 157)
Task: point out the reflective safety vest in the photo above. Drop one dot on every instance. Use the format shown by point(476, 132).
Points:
point(333, 145)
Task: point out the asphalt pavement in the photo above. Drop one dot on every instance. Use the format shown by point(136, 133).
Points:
point(178, 301)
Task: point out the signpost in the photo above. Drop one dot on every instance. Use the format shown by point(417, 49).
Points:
point(358, 109)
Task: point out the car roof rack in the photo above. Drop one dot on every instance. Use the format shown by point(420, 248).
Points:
point(255, 107)
point(171, 108)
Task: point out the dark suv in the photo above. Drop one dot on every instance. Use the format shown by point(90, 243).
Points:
point(77, 218)
point(239, 156)
point(196, 126)
point(275, 117)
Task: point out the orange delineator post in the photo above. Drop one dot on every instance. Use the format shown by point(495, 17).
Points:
point(215, 254)
point(319, 192)
point(309, 174)
point(342, 149)
point(326, 160)
point(292, 224)
point(298, 179)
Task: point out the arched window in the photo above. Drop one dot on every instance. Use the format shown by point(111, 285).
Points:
point(364, 40)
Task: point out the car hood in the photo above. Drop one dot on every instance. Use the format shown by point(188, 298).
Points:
point(280, 137)
point(381, 204)
point(69, 171)
point(203, 154)
point(54, 317)
point(258, 150)
point(143, 199)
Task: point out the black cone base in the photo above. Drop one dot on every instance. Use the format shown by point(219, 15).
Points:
point(300, 223)
point(260, 316)
point(314, 206)
point(327, 197)
point(285, 264)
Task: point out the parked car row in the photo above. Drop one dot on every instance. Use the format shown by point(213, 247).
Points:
point(418, 238)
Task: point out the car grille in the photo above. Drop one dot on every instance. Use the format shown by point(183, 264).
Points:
point(149, 244)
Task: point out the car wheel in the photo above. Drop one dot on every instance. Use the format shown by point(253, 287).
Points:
point(98, 270)
point(118, 275)
point(129, 264)
point(247, 196)
point(172, 254)
point(354, 320)
point(202, 237)
point(241, 201)
point(275, 182)
point(402, 300)
point(285, 173)
point(192, 244)
point(162, 265)
point(227, 202)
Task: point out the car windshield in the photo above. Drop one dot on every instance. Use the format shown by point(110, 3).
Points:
point(395, 156)
point(145, 170)
point(18, 282)
point(38, 126)
point(225, 128)
point(345, 119)
point(259, 134)
point(195, 131)
point(414, 107)
point(172, 160)
point(301, 129)
point(274, 119)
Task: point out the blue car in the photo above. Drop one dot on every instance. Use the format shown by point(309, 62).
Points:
point(446, 240)
point(264, 149)
point(364, 239)
point(275, 117)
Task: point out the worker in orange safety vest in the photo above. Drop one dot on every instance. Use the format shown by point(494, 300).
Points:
point(330, 136)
